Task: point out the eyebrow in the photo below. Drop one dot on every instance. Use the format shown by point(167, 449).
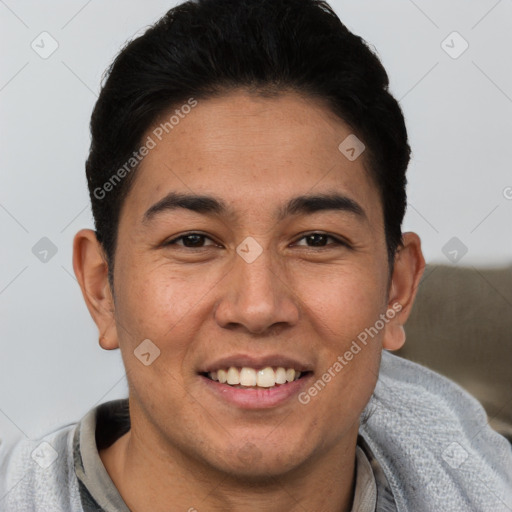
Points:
point(300, 205)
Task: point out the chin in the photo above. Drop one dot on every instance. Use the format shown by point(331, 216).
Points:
point(260, 464)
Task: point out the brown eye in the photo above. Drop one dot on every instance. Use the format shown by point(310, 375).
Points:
point(320, 240)
point(191, 240)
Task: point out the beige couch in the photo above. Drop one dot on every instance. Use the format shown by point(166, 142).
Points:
point(461, 327)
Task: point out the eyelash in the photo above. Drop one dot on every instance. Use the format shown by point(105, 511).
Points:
point(337, 241)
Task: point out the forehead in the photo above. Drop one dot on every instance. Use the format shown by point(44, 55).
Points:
point(251, 151)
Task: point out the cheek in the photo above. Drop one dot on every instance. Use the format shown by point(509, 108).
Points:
point(153, 301)
point(168, 307)
point(345, 310)
point(343, 303)
point(155, 306)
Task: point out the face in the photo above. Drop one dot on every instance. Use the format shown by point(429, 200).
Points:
point(250, 277)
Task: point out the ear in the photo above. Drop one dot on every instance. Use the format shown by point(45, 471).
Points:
point(91, 270)
point(407, 272)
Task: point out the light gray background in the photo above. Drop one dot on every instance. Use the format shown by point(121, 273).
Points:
point(458, 113)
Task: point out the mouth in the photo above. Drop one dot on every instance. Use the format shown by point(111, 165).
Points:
point(250, 381)
point(256, 387)
point(255, 378)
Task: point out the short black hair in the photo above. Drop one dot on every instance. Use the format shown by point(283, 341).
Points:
point(205, 48)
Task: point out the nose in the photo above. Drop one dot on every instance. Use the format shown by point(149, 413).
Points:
point(257, 296)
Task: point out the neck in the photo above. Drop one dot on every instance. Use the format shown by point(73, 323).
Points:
point(142, 466)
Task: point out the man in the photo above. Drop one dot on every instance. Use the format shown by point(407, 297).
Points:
point(247, 179)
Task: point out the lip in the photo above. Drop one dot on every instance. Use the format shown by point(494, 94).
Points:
point(264, 398)
point(256, 362)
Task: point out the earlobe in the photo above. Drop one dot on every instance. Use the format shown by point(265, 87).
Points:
point(407, 272)
point(91, 270)
point(395, 338)
point(108, 343)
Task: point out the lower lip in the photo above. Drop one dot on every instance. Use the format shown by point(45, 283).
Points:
point(259, 398)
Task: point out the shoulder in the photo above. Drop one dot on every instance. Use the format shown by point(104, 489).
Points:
point(434, 443)
point(38, 475)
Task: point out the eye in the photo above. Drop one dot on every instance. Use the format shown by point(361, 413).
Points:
point(199, 241)
point(320, 240)
point(191, 240)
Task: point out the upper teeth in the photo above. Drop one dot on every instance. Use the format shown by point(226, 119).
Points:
point(264, 378)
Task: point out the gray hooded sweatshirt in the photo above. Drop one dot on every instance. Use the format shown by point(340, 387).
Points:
point(427, 442)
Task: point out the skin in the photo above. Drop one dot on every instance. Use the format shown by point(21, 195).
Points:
point(188, 449)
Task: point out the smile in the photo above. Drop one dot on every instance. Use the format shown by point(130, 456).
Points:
point(247, 377)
